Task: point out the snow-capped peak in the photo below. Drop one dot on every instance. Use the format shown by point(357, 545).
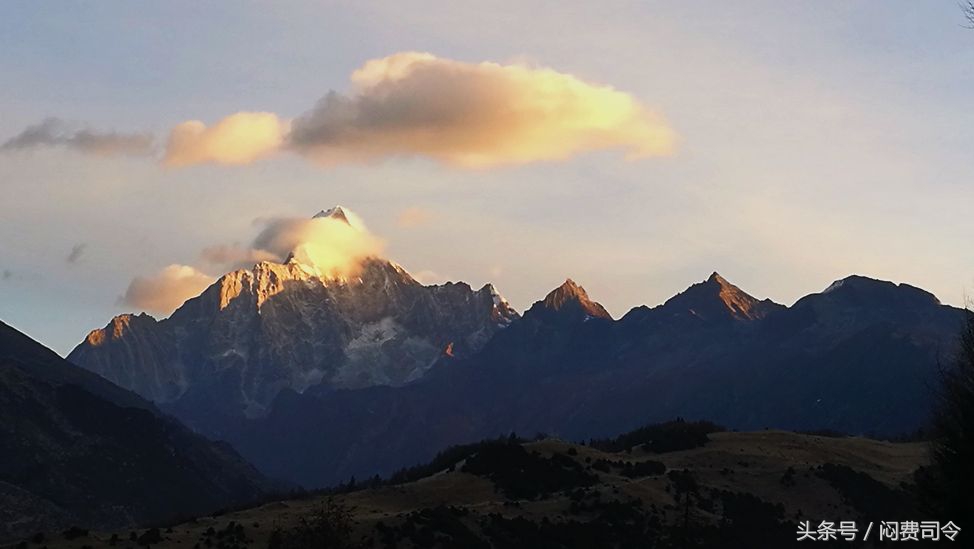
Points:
point(343, 214)
point(337, 212)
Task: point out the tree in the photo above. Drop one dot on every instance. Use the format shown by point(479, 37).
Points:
point(953, 443)
point(969, 13)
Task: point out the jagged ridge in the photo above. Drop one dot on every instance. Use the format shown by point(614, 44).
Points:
point(257, 331)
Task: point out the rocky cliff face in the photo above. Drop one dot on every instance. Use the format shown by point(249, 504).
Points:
point(278, 326)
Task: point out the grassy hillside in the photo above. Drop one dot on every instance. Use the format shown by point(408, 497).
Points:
point(736, 490)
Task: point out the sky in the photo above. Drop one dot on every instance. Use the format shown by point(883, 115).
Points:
point(633, 146)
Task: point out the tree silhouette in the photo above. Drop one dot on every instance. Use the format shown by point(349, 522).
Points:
point(953, 444)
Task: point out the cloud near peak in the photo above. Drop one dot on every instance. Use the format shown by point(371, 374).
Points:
point(335, 248)
point(166, 290)
point(328, 246)
point(471, 115)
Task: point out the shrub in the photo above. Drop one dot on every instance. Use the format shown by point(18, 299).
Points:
point(74, 533)
point(524, 475)
point(661, 437)
point(327, 526)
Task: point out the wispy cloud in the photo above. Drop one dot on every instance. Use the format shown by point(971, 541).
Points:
point(54, 132)
point(234, 256)
point(77, 251)
point(413, 217)
point(429, 277)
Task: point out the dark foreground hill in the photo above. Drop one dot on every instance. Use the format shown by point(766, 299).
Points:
point(720, 490)
point(80, 451)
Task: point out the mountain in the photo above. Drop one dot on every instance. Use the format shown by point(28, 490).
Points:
point(717, 300)
point(569, 302)
point(315, 379)
point(685, 487)
point(227, 353)
point(862, 357)
point(81, 451)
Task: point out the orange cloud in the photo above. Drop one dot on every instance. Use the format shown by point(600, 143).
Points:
point(237, 139)
point(470, 115)
point(163, 292)
point(474, 115)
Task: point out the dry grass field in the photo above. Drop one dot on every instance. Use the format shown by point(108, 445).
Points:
point(783, 470)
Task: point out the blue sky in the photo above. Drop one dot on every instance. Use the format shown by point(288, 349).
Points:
point(814, 140)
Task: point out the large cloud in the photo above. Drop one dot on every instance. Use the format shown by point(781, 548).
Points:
point(163, 292)
point(237, 139)
point(53, 132)
point(464, 114)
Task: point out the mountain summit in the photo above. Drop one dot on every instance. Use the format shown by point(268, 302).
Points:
point(569, 301)
point(716, 299)
point(868, 291)
point(339, 213)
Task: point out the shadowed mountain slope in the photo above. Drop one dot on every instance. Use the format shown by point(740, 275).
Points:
point(78, 450)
